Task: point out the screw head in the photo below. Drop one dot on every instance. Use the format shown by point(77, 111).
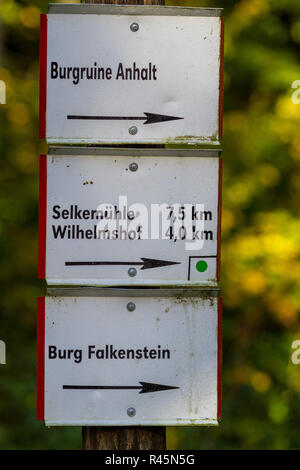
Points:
point(133, 166)
point(131, 412)
point(134, 27)
point(131, 306)
point(132, 130)
point(132, 272)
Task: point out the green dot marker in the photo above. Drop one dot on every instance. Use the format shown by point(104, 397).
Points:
point(201, 266)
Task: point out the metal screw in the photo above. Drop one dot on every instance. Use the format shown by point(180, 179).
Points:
point(132, 130)
point(132, 272)
point(131, 412)
point(131, 307)
point(134, 27)
point(133, 166)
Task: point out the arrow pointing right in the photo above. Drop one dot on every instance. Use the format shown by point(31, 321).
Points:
point(149, 387)
point(154, 118)
point(149, 118)
point(146, 263)
point(145, 387)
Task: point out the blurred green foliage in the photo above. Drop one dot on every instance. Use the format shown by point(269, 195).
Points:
point(261, 230)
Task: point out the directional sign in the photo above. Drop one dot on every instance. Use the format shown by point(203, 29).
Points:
point(130, 217)
point(129, 360)
point(123, 74)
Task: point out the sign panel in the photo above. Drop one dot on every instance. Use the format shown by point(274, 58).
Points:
point(110, 361)
point(123, 74)
point(130, 217)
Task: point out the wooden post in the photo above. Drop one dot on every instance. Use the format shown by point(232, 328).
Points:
point(124, 437)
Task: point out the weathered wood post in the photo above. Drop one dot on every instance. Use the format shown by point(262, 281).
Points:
point(124, 437)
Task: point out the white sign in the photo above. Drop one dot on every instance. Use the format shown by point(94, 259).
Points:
point(123, 74)
point(130, 217)
point(129, 360)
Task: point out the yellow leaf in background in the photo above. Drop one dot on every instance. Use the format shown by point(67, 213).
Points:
point(254, 282)
point(295, 31)
point(261, 381)
point(286, 109)
point(9, 12)
point(30, 17)
point(268, 175)
point(19, 114)
point(228, 220)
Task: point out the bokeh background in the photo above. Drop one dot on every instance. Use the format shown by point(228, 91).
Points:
point(261, 230)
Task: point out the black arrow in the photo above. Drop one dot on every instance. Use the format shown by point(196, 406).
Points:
point(149, 118)
point(145, 387)
point(146, 263)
